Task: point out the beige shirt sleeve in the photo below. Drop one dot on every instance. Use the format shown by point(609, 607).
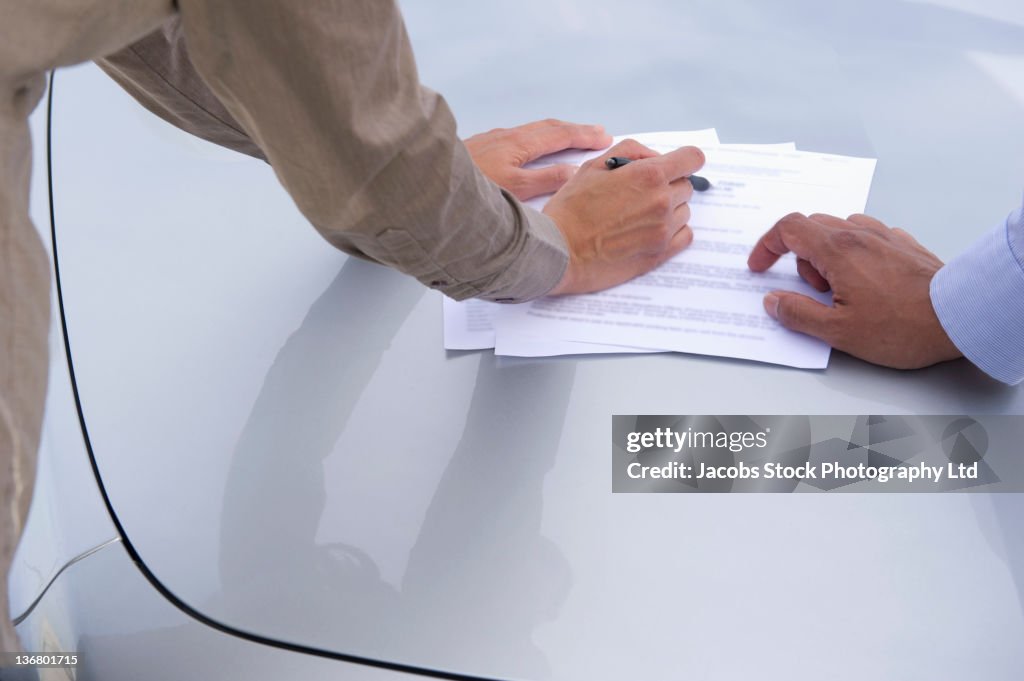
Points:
point(329, 93)
point(158, 73)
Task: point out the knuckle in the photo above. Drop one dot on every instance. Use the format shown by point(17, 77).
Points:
point(835, 329)
point(684, 213)
point(631, 146)
point(847, 239)
point(655, 239)
point(790, 222)
point(653, 261)
point(562, 174)
point(662, 203)
point(649, 261)
point(687, 191)
point(518, 181)
point(517, 154)
point(650, 173)
point(520, 154)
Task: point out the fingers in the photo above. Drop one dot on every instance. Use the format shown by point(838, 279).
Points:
point(875, 225)
point(680, 191)
point(680, 163)
point(650, 261)
point(557, 123)
point(626, 148)
point(678, 243)
point(670, 167)
point(829, 220)
point(812, 276)
point(794, 233)
point(546, 137)
point(868, 222)
point(680, 240)
point(859, 221)
point(547, 180)
point(904, 237)
point(800, 313)
point(680, 217)
point(621, 224)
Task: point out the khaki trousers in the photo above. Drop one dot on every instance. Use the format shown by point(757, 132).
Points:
point(35, 37)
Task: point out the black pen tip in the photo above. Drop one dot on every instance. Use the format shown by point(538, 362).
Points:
point(699, 183)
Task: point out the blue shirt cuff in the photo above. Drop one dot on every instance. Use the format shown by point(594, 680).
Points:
point(979, 299)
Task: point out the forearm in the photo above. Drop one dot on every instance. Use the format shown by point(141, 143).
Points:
point(979, 299)
point(158, 73)
point(329, 91)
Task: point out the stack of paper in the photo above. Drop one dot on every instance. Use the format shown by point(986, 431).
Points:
point(705, 300)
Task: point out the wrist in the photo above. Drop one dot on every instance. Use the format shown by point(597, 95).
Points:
point(564, 285)
point(565, 282)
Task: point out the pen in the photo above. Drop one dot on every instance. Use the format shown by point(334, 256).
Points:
point(699, 183)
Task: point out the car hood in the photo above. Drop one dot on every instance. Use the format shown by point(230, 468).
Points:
point(291, 452)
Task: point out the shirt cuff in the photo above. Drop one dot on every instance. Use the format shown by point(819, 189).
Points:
point(539, 260)
point(979, 299)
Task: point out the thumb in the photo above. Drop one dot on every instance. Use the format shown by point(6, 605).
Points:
point(800, 313)
point(547, 180)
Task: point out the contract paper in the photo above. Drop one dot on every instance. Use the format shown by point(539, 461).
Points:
point(705, 300)
point(469, 325)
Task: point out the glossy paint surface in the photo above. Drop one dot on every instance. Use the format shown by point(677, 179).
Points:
point(122, 630)
point(293, 453)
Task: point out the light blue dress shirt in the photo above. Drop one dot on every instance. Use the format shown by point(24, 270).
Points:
point(979, 298)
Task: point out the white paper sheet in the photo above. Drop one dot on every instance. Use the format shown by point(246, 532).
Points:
point(469, 325)
point(705, 300)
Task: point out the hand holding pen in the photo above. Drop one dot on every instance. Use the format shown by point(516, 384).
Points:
point(699, 183)
point(623, 224)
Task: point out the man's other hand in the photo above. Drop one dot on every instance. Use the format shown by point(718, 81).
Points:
point(501, 154)
point(879, 277)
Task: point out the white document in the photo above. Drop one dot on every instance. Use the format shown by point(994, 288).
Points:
point(661, 142)
point(469, 325)
point(705, 300)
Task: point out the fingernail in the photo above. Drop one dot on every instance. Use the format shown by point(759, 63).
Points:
point(771, 305)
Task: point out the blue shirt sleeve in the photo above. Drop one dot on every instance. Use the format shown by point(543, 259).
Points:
point(979, 299)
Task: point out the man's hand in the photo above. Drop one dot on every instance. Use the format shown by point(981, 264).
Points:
point(501, 154)
point(622, 223)
point(880, 281)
